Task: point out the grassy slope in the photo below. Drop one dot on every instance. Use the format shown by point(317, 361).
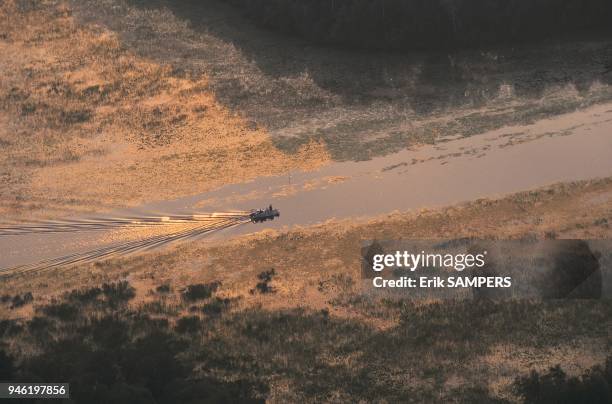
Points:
point(360, 104)
point(108, 103)
point(317, 338)
point(86, 124)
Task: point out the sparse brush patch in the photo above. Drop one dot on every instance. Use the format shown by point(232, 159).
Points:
point(72, 117)
point(603, 222)
point(28, 108)
point(263, 286)
point(84, 296)
point(200, 291)
point(118, 293)
point(216, 307)
point(340, 283)
point(21, 300)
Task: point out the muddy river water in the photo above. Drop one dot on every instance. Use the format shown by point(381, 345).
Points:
point(569, 147)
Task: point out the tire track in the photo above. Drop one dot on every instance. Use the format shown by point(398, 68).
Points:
point(209, 225)
point(69, 226)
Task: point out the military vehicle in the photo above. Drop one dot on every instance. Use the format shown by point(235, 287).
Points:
point(262, 215)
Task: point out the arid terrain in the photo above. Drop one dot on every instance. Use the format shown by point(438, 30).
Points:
point(313, 295)
point(88, 125)
point(115, 104)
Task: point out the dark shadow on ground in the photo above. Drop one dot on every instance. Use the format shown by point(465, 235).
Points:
point(360, 103)
point(204, 348)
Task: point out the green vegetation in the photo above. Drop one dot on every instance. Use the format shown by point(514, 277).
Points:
point(410, 24)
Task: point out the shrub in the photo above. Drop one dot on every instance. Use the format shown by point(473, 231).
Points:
point(163, 288)
point(554, 386)
point(200, 291)
point(19, 300)
point(216, 307)
point(118, 293)
point(74, 117)
point(188, 324)
point(263, 286)
point(84, 295)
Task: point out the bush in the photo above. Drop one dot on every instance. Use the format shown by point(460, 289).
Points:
point(19, 300)
point(74, 117)
point(84, 295)
point(263, 286)
point(118, 293)
point(216, 307)
point(189, 324)
point(200, 291)
point(163, 288)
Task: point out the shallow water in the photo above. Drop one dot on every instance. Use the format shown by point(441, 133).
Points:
point(570, 147)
